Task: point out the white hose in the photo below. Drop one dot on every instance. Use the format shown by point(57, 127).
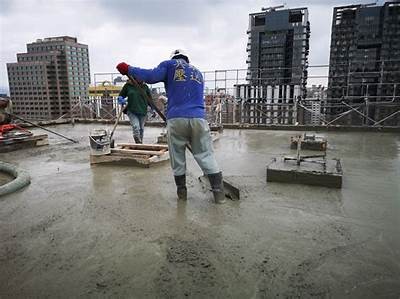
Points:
point(21, 178)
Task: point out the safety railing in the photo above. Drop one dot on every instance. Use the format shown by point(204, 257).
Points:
point(366, 94)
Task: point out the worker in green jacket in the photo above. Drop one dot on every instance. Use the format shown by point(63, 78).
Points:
point(135, 107)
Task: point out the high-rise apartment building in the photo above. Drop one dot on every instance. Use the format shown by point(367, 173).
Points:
point(365, 61)
point(278, 47)
point(50, 79)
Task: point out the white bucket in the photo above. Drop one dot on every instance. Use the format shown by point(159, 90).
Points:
point(99, 142)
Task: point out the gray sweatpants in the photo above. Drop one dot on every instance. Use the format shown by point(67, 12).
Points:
point(196, 132)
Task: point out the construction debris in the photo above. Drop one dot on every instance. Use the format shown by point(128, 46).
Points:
point(309, 142)
point(14, 137)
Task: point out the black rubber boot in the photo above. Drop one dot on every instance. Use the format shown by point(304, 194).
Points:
point(137, 139)
point(181, 190)
point(217, 187)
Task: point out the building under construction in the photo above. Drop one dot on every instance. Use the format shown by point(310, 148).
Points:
point(278, 47)
point(364, 61)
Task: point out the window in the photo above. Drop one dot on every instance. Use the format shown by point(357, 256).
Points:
point(369, 19)
point(259, 21)
point(295, 17)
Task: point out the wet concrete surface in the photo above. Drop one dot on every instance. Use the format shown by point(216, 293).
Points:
point(107, 231)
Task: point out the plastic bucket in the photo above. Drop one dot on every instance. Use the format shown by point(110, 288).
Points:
point(99, 142)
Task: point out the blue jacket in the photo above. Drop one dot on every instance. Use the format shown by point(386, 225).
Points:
point(184, 85)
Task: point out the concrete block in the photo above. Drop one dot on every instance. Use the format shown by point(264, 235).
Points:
point(309, 144)
point(308, 172)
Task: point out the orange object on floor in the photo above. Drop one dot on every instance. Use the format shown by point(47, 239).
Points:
point(10, 127)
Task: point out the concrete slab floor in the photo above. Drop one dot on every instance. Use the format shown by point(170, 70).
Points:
point(106, 231)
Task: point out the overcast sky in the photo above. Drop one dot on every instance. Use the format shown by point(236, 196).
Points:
point(144, 32)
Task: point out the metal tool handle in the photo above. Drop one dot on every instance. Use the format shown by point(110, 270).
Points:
point(149, 100)
point(43, 128)
point(151, 103)
point(116, 122)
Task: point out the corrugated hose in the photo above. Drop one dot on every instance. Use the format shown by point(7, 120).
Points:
point(21, 178)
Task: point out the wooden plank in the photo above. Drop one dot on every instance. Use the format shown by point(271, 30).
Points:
point(156, 159)
point(130, 151)
point(119, 159)
point(143, 155)
point(29, 142)
point(44, 141)
point(153, 148)
point(38, 137)
point(132, 156)
point(128, 160)
point(23, 139)
point(143, 146)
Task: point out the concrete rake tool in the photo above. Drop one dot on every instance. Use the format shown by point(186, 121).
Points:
point(41, 127)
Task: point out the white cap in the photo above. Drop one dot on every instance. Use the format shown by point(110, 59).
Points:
point(178, 52)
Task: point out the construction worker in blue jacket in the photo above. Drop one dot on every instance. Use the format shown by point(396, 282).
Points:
point(186, 123)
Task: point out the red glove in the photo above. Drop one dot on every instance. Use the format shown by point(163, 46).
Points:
point(123, 68)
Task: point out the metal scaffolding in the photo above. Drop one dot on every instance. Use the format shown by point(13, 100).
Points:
point(230, 98)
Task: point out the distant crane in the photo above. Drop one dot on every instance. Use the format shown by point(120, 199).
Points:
point(273, 8)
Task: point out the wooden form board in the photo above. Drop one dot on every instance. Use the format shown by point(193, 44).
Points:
point(13, 144)
point(143, 155)
point(143, 146)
